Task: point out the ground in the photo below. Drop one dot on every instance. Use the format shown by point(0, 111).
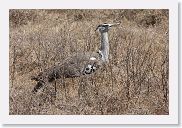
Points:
point(134, 82)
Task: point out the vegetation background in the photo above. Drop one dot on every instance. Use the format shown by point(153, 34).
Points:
point(134, 82)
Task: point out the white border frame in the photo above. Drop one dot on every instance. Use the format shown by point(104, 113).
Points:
point(172, 118)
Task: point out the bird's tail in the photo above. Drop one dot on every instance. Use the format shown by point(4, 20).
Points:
point(45, 77)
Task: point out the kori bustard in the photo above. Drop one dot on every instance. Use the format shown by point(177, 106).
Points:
point(78, 64)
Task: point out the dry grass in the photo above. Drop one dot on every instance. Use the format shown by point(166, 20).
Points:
point(134, 82)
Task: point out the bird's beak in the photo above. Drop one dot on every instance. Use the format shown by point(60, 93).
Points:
point(111, 25)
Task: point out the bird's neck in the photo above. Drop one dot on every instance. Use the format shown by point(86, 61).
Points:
point(105, 46)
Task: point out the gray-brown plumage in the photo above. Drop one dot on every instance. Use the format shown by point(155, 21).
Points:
point(78, 64)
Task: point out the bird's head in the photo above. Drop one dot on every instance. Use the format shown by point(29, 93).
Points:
point(105, 27)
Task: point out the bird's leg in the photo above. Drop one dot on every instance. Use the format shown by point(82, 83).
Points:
point(53, 96)
point(111, 77)
point(63, 86)
point(54, 78)
point(55, 87)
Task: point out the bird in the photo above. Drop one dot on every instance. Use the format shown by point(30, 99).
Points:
point(78, 64)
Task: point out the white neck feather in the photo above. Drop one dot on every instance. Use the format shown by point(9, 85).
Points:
point(105, 46)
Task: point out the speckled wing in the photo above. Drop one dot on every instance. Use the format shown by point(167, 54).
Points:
point(81, 64)
point(74, 66)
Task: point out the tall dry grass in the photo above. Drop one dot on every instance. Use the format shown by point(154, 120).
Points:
point(134, 82)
